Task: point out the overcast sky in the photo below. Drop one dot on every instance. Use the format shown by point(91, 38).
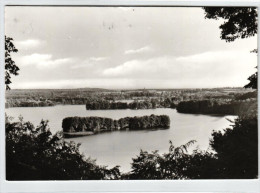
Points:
point(116, 47)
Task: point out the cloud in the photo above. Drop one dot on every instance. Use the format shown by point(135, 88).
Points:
point(153, 67)
point(97, 59)
point(78, 83)
point(139, 50)
point(137, 34)
point(29, 43)
point(194, 71)
point(210, 56)
point(205, 69)
point(42, 61)
point(90, 62)
point(108, 83)
point(129, 68)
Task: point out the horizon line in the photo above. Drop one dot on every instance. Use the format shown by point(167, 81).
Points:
point(126, 88)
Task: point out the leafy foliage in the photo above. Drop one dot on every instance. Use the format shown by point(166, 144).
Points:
point(233, 156)
point(176, 164)
point(240, 22)
point(35, 154)
point(10, 66)
point(252, 81)
point(155, 166)
point(253, 78)
point(237, 149)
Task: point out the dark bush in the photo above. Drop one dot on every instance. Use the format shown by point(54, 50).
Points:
point(233, 155)
point(35, 154)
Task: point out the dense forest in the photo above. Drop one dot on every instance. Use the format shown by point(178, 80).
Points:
point(136, 104)
point(89, 125)
point(234, 107)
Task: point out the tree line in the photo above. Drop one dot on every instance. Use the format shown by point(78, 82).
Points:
point(73, 125)
point(234, 107)
point(136, 104)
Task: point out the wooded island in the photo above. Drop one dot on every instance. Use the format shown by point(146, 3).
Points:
point(81, 126)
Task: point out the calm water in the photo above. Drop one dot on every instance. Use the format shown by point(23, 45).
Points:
point(117, 148)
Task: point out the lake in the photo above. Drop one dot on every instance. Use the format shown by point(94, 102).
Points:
point(119, 147)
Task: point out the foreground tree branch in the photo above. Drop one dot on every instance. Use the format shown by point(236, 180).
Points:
point(10, 66)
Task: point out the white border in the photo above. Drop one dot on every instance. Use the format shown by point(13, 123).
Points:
point(225, 186)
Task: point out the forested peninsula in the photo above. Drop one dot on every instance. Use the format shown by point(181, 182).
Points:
point(235, 107)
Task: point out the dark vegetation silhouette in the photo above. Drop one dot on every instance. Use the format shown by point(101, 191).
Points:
point(237, 149)
point(10, 67)
point(144, 104)
point(232, 155)
point(219, 107)
point(252, 81)
point(33, 153)
point(239, 22)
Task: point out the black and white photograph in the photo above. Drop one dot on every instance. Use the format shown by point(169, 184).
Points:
point(130, 93)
